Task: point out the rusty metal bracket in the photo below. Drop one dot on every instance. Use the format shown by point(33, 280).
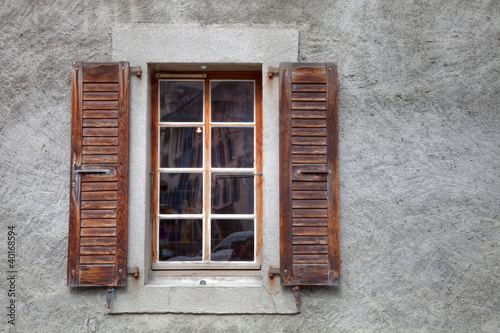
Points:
point(297, 295)
point(133, 271)
point(136, 70)
point(273, 271)
point(272, 71)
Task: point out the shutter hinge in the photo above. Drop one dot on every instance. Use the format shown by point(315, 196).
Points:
point(133, 271)
point(273, 271)
point(136, 70)
point(272, 71)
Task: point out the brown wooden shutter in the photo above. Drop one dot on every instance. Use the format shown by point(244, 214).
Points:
point(309, 214)
point(97, 241)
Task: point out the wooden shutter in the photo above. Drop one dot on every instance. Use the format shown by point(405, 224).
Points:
point(309, 215)
point(97, 241)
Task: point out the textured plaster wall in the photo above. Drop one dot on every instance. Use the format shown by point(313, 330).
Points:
point(419, 158)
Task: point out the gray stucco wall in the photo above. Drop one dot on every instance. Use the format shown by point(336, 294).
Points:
point(419, 139)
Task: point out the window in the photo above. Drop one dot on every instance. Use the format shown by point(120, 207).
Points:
point(206, 166)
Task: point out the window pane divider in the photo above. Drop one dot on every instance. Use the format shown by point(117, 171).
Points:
point(232, 216)
point(179, 124)
point(180, 170)
point(252, 124)
point(180, 216)
point(232, 170)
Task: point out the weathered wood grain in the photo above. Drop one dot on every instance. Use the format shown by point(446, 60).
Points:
point(309, 132)
point(309, 87)
point(98, 232)
point(98, 204)
point(100, 72)
point(100, 159)
point(84, 260)
point(94, 250)
point(100, 150)
point(100, 114)
point(96, 275)
point(100, 105)
point(100, 123)
point(97, 241)
point(308, 97)
point(310, 240)
point(100, 96)
point(100, 132)
point(309, 212)
point(100, 87)
point(98, 223)
point(309, 159)
point(97, 141)
point(310, 249)
point(309, 195)
point(309, 203)
point(310, 222)
point(310, 274)
point(309, 186)
point(100, 195)
point(310, 259)
point(307, 114)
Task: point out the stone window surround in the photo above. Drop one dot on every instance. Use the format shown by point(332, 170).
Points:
point(154, 46)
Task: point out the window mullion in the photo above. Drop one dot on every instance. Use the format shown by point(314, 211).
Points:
point(206, 183)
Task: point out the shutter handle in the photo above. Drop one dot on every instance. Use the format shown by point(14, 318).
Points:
point(300, 172)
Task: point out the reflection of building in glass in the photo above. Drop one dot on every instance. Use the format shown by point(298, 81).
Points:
point(181, 193)
point(181, 147)
point(232, 101)
point(180, 239)
point(181, 101)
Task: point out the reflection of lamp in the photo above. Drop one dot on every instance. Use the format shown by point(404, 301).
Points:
point(198, 130)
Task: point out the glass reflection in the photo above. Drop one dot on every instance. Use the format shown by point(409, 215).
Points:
point(232, 147)
point(232, 240)
point(181, 147)
point(232, 101)
point(181, 101)
point(181, 193)
point(232, 194)
point(180, 240)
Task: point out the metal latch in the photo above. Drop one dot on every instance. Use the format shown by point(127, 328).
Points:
point(107, 171)
point(304, 172)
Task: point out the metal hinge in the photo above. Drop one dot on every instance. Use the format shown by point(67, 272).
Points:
point(272, 71)
point(136, 69)
point(273, 271)
point(133, 271)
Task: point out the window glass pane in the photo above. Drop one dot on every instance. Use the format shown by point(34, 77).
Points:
point(181, 101)
point(181, 193)
point(232, 194)
point(180, 147)
point(233, 147)
point(180, 240)
point(232, 101)
point(232, 240)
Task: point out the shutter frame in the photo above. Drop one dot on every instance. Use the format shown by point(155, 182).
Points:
point(309, 120)
point(97, 238)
